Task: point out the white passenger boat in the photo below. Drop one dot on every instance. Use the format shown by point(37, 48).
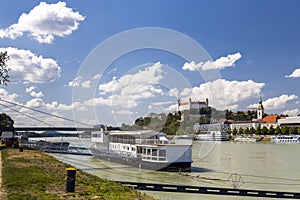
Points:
point(244, 139)
point(286, 139)
point(143, 149)
point(212, 136)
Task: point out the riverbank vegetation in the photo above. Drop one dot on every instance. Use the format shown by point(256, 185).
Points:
point(36, 175)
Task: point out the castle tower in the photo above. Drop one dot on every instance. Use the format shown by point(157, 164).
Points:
point(260, 110)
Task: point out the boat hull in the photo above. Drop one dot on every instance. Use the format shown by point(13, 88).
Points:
point(139, 163)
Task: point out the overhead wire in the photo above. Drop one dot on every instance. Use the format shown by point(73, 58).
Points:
point(26, 115)
point(64, 118)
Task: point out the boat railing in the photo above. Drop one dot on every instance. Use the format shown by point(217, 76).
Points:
point(150, 141)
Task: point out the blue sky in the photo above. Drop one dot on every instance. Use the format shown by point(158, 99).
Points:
point(252, 48)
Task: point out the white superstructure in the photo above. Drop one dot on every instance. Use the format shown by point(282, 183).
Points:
point(145, 148)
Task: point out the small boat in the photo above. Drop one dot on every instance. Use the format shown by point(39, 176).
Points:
point(286, 139)
point(244, 139)
point(142, 149)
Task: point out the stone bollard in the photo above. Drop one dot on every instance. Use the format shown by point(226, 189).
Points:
point(71, 177)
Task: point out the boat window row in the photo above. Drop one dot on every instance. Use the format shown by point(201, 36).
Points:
point(153, 154)
point(119, 147)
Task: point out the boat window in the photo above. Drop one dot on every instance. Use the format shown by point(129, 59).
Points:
point(148, 151)
point(162, 153)
point(154, 152)
point(132, 149)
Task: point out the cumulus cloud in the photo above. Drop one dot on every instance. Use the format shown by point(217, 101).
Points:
point(4, 94)
point(294, 74)
point(130, 88)
point(96, 77)
point(293, 112)
point(224, 94)
point(44, 22)
point(76, 82)
point(26, 66)
point(33, 93)
point(220, 63)
point(36, 94)
point(174, 92)
point(276, 102)
point(79, 82)
point(29, 89)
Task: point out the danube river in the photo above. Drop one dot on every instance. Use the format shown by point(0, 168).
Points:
point(261, 165)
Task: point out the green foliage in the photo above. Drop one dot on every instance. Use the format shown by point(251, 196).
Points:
point(6, 123)
point(284, 130)
point(234, 131)
point(34, 175)
point(292, 130)
point(172, 124)
point(277, 130)
point(4, 77)
point(271, 130)
point(240, 115)
point(264, 131)
point(142, 121)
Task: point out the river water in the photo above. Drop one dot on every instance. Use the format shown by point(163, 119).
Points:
point(261, 165)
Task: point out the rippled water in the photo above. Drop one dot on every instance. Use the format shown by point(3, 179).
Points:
point(259, 165)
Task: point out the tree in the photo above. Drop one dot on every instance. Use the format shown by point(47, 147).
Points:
point(292, 130)
point(258, 130)
point(284, 130)
point(271, 130)
point(264, 130)
point(6, 123)
point(252, 130)
point(277, 130)
point(240, 131)
point(234, 131)
point(4, 77)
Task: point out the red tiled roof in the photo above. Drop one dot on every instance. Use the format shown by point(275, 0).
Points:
point(270, 119)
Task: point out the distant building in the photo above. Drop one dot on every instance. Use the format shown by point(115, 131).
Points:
point(260, 110)
point(270, 119)
point(211, 127)
point(289, 121)
point(188, 105)
point(244, 125)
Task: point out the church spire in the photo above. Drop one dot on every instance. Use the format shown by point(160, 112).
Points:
point(260, 109)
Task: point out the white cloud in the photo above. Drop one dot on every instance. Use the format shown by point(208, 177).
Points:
point(276, 102)
point(96, 77)
point(36, 94)
point(86, 84)
point(35, 103)
point(33, 93)
point(293, 112)
point(174, 92)
point(220, 63)
point(28, 67)
point(29, 89)
point(294, 74)
point(224, 94)
point(130, 88)
point(5, 95)
point(123, 112)
point(78, 81)
point(44, 22)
